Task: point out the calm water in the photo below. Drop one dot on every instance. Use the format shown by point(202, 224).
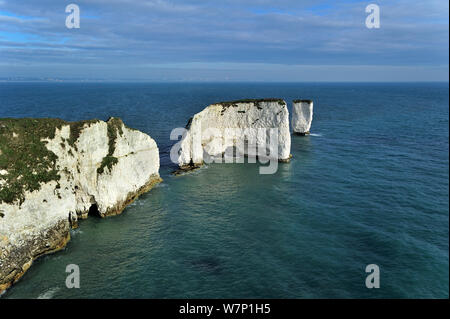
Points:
point(369, 186)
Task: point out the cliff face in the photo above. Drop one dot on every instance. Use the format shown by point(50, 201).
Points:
point(54, 172)
point(302, 115)
point(248, 115)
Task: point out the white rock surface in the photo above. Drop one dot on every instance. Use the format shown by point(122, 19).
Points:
point(42, 222)
point(302, 115)
point(221, 117)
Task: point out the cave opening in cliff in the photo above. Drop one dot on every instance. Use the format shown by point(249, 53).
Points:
point(93, 211)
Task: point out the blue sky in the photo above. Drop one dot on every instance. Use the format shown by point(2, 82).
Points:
point(227, 40)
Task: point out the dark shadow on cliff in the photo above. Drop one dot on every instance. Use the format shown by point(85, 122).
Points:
point(93, 211)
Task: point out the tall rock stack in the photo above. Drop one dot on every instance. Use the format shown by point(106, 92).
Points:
point(302, 115)
point(251, 114)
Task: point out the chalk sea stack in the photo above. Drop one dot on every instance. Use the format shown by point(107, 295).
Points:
point(53, 173)
point(302, 115)
point(249, 114)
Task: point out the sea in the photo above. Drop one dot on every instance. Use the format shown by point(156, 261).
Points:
point(369, 186)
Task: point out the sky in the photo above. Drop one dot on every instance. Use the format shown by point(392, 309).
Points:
point(225, 40)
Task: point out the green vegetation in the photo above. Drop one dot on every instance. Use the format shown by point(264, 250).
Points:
point(114, 128)
point(256, 102)
point(305, 101)
point(109, 162)
point(24, 156)
point(188, 125)
point(75, 131)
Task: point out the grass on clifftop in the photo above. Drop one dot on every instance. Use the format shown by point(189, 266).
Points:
point(24, 156)
point(300, 101)
point(255, 101)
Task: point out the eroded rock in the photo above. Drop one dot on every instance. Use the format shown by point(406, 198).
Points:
point(55, 173)
point(225, 125)
point(302, 115)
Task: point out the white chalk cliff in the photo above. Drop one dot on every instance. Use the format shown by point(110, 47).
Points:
point(101, 167)
point(302, 115)
point(248, 115)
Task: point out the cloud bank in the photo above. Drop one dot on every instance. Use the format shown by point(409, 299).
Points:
point(213, 40)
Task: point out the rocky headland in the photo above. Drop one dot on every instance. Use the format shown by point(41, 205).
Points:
point(53, 173)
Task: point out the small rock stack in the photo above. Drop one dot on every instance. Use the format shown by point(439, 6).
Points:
point(302, 115)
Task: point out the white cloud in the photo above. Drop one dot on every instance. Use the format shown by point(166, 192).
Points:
point(119, 32)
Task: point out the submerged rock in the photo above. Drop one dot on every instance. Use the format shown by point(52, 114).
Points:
point(302, 115)
point(55, 172)
point(221, 126)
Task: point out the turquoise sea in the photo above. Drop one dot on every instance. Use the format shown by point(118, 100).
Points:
point(369, 186)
